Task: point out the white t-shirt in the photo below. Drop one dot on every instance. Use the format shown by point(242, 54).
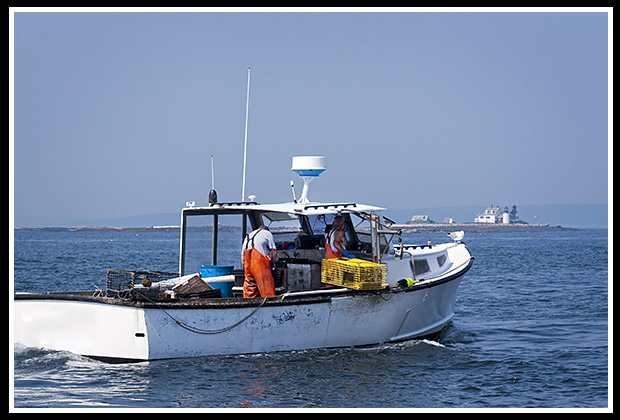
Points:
point(263, 241)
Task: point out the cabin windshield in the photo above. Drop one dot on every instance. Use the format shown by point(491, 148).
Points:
point(284, 227)
point(199, 237)
point(204, 245)
point(357, 232)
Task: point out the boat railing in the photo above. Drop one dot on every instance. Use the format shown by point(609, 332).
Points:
point(234, 203)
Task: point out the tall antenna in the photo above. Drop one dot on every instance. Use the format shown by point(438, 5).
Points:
point(245, 144)
point(212, 177)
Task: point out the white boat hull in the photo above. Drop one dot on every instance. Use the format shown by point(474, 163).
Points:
point(104, 329)
point(82, 327)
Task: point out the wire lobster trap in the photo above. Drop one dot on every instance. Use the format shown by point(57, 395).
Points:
point(354, 273)
point(122, 283)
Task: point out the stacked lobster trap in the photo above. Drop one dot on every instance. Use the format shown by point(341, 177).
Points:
point(354, 273)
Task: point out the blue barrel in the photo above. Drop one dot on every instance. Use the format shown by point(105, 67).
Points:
point(207, 271)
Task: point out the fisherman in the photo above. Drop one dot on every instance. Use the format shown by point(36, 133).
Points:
point(335, 241)
point(258, 251)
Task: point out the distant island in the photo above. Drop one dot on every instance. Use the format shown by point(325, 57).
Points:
point(102, 229)
point(574, 215)
point(477, 227)
point(430, 227)
point(492, 219)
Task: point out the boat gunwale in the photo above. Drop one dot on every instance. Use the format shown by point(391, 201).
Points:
point(286, 299)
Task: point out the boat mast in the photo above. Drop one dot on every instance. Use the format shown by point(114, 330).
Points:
point(212, 177)
point(245, 144)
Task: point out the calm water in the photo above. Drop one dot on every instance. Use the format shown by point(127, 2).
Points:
point(530, 330)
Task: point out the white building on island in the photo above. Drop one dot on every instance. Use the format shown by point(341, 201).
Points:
point(493, 215)
point(422, 218)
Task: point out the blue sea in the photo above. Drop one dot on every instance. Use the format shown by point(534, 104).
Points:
point(530, 331)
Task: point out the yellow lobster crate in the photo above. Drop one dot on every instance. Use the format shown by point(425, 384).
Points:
point(354, 273)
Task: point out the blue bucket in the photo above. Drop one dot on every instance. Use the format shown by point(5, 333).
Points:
point(224, 284)
point(207, 271)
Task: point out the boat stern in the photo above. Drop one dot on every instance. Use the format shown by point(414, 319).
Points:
point(95, 329)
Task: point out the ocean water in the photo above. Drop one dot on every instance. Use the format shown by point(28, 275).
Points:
point(530, 331)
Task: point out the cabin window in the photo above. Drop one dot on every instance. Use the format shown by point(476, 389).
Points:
point(441, 260)
point(362, 232)
point(357, 232)
point(420, 266)
point(284, 227)
point(319, 224)
point(199, 241)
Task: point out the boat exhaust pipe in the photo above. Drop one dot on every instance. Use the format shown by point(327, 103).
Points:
point(212, 193)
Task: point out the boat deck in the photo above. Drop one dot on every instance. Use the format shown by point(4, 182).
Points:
point(292, 298)
point(197, 303)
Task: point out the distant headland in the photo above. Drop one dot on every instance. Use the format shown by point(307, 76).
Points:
point(407, 228)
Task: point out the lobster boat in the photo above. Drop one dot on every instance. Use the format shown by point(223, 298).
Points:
point(389, 292)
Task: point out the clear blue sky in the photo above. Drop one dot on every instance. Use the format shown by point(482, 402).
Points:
point(117, 114)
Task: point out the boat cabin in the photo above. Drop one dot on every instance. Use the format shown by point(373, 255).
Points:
point(426, 261)
point(213, 236)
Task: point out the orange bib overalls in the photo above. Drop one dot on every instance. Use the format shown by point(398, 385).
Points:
point(258, 278)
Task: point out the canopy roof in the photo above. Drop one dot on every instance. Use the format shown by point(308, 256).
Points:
point(287, 208)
